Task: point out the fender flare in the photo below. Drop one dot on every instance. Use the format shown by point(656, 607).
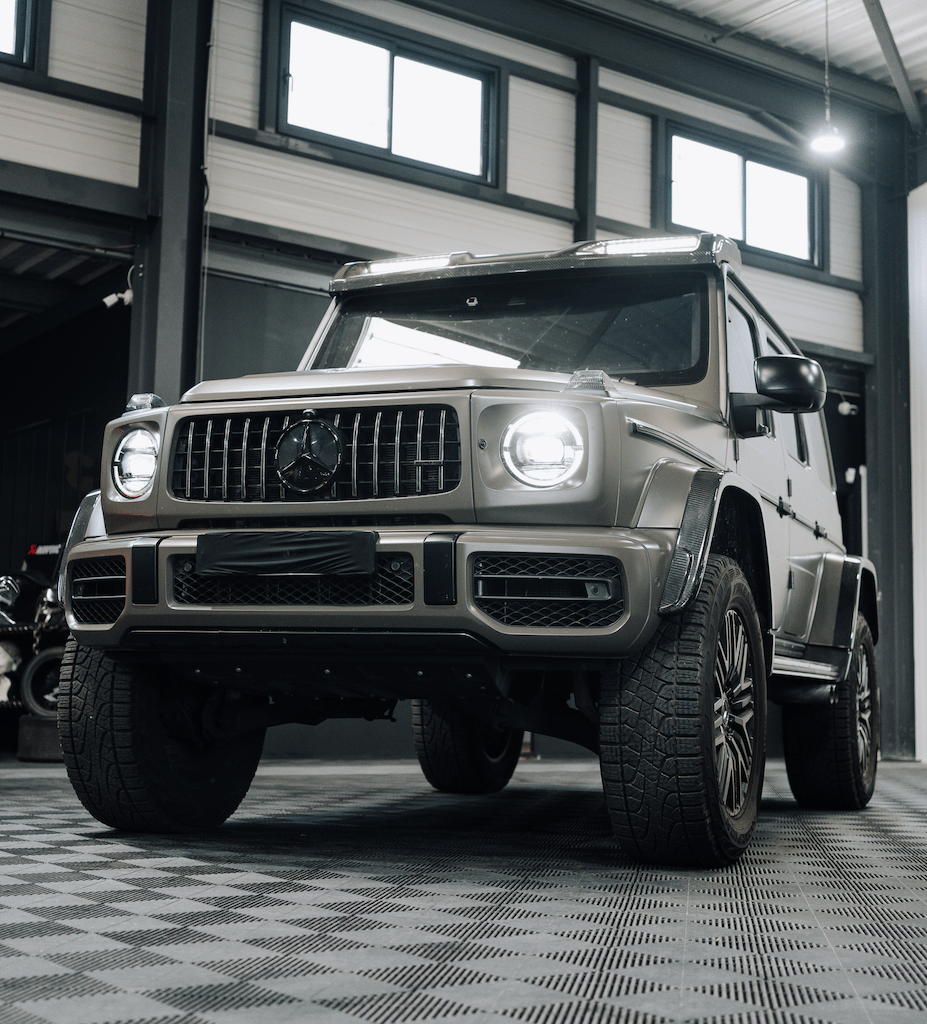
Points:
point(87, 522)
point(690, 556)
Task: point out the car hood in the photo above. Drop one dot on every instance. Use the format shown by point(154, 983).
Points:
point(349, 382)
point(409, 381)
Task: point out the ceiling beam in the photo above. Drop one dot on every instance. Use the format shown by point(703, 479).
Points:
point(627, 35)
point(895, 65)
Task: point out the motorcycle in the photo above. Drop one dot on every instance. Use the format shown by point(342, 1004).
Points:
point(32, 636)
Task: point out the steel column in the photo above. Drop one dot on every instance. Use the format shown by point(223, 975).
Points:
point(586, 155)
point(888, 447)
point(167, 274)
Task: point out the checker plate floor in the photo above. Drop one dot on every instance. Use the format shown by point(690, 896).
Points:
point(355, 893)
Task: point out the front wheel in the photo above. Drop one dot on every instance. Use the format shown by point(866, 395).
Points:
point(136, 751)
point(831, 750)
point(683, 730)
point(459, 753)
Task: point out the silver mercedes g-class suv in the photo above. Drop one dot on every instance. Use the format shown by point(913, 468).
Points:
point(584, 493)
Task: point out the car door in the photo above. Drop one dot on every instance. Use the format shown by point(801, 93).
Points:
point(760, 460)
point(813, 520)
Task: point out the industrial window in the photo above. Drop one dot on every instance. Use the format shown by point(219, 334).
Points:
point(721, 190)
point(385, 97)
point(15, 31)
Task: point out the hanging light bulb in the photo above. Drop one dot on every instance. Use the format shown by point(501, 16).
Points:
point(828, 139)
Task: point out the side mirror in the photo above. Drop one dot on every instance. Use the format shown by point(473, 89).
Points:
point(785, 383)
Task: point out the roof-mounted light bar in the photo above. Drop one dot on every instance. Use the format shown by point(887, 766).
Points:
point(689, 249)
point(407, 264)
point(642, 246)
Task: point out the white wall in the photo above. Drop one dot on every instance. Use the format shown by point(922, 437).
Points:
point(846, 229)
point(59, 134)
point(808, 311)
point(624, 166)
point(100, 43)
point(288, 191)
point(96, 43)
point(917, 264)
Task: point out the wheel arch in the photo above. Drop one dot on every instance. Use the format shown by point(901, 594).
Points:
point(869, 599)
point(740, 534)
point(719, 518)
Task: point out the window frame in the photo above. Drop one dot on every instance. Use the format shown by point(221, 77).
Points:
point(279, 16)
point(33, 18)
point(755, 155)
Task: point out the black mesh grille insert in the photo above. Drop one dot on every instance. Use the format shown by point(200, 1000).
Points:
point(391, 584)
point(387, 453)
point(98, 590)
point(549, 590)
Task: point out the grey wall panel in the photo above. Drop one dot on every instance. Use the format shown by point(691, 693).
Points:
point(679, 102)
point(63, 135)
point(542, 130)
point(809, 311)
point(624, 176)
point(846, 231)
point(286, 191)
point(256, 327)
point(235, 86)
point(100, 43)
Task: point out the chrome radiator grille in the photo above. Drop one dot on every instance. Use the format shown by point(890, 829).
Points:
point(400, 451)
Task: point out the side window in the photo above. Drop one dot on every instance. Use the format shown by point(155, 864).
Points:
point(741, 349)
point(743, 346)
point(819, 448)
point(788, 428)
point(788, 425)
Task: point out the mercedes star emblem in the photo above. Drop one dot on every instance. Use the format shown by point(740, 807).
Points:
point(308, 455)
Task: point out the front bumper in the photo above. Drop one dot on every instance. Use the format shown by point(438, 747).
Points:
point(571, 593)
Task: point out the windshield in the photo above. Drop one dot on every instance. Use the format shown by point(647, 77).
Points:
point(647, 328)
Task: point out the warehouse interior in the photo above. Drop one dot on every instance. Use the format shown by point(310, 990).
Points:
point(155, 156)
point(174, 200)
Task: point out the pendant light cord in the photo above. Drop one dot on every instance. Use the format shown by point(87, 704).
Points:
point(826, 62)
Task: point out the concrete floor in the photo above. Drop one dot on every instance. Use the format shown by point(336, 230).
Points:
point(353, 893)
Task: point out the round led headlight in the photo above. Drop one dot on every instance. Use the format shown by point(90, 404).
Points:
point(135, 462)
point(542, 449)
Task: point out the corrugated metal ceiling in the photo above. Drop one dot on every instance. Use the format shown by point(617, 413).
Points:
point(37, 276)
point(798, 26)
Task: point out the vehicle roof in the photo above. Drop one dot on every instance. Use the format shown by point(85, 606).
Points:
point(676, 251)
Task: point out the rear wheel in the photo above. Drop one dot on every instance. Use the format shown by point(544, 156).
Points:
point(831, 750)
point(683, 730)
point(459, 753)
point(38, 688)
point(146, 754)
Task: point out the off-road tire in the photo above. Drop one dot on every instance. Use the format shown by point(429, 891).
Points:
point(460, 754)
point(38, 688)
point(832, 750)
point(683, 730)
point(127, 769)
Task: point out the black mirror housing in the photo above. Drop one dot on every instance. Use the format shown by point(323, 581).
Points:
point(791, 383)
point(794, 383)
